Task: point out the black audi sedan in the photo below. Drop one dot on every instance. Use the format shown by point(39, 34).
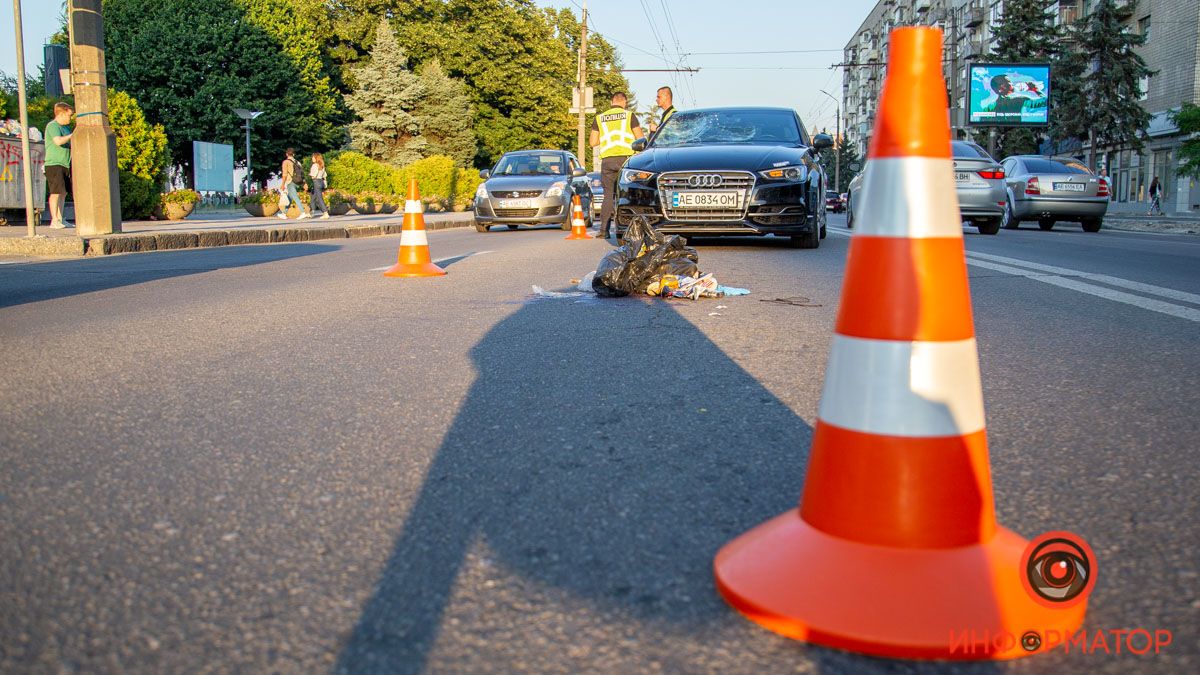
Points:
point(728, 171)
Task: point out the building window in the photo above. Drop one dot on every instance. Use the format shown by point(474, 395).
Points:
point(1144, 27)
point(1143, 87)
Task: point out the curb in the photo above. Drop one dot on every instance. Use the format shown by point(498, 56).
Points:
point(142, 242)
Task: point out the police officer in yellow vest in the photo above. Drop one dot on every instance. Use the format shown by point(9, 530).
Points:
point(613, 134)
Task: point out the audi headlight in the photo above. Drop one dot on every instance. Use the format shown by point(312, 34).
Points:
point(481, 192)
point(794, 172)
point(636, 176)
point(556, 189)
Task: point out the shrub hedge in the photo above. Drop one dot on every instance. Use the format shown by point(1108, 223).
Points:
point(436, 176)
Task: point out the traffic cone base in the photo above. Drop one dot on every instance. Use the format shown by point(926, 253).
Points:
point(964, 603)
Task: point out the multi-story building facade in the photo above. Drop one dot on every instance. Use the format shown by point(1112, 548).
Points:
point(1172, 50)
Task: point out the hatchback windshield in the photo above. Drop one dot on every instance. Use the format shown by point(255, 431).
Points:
point(1053, 166)
point(754, 127)
point(548, 164)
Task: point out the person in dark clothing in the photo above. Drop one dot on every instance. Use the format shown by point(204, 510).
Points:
point(613, 134)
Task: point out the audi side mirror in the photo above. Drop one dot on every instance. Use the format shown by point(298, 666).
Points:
point(640, 144)
point(822, 141)
point(485, 174)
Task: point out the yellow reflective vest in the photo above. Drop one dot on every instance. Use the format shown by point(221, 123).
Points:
point(616, 133)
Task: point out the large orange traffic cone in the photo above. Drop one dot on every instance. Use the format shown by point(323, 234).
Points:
point(895, 549)
point(578, 224)
point(413, 260)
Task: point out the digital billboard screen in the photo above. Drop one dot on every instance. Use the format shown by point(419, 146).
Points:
point(1008, 94)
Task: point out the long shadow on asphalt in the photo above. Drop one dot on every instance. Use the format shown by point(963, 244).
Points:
point(34, 282)
point(615, 477)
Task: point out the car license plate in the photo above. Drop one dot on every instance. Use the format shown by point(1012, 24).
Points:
point(706, 199)
point(962, 177)
point(1068, 187)
point(516, 203)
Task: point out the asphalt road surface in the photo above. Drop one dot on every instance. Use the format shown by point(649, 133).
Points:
point(274, 459)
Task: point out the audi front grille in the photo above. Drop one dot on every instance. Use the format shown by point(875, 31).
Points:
point(712, 181)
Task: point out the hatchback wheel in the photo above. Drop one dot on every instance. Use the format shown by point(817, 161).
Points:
point(988, 226)
point(1009, 221)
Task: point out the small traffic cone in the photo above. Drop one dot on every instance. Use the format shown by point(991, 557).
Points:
point(895, 549)
point(578, 225)
point(413, 260)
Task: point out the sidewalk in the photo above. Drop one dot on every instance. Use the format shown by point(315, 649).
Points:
point(204, 230)
point(1174, 223)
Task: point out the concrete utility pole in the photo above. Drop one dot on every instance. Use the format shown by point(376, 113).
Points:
point(23, 111)
point(837, 145)
point(582, 79)
point(93, 145)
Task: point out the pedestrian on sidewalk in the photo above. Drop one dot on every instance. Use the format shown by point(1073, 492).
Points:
point(293, 179)
point(1155, 197)
point(318, 176)
point(58, 162)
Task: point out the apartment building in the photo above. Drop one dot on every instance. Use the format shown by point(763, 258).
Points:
point(1172, 49)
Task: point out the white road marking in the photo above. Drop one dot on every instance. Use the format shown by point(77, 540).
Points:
point(1099, 291)
point(439, 260)
point(1102, 278)
point(1057, 276)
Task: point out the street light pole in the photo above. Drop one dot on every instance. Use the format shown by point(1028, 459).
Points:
point(248, 116)
point(837, 146)
point(23, 108)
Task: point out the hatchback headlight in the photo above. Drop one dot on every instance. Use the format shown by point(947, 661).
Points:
point(481, 191)
point(794, 172)
point(556, 189)
point(636, 176)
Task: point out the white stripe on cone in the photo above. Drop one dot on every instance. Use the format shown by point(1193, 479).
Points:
point(911, 197)
point(895, 388)
point(413, 238)
point(413, 206)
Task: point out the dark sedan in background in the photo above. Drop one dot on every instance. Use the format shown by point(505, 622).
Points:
point(728, 171)
point(531, 187)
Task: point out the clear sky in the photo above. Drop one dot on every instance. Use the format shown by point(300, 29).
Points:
point(641, 31)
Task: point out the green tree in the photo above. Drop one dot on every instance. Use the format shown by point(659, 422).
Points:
point(1104, 108)
point(141, 155)
point(847, 154)
point(190, 62)
point(445, 116)
point(1187, 118)
point(385, 95)
point(1026, 32)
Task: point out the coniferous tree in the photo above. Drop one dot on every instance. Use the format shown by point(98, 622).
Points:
point(445, 117)
point(1026, 33)
point(385, 96)
point(1187, 118)
point(1105, 108)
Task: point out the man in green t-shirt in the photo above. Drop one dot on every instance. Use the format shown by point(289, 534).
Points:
point(58, 162)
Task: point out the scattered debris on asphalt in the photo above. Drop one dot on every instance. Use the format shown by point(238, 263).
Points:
point(794, 301)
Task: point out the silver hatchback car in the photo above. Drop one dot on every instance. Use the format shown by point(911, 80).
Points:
point(531, 187)
point(1050, 189)
point(978, 182)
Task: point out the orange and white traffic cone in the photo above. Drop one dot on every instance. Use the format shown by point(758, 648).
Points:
point(895, 549)
point(578, 224)
point(413, 259)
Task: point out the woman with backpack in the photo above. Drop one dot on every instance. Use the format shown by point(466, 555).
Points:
point(293, 179)
point(318, 176)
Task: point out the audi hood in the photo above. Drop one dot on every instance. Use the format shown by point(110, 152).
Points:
point(752, 158)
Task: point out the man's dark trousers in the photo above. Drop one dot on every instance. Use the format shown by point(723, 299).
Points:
point(610, 171)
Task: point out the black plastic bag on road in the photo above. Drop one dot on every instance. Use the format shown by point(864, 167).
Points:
point(645, 255)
